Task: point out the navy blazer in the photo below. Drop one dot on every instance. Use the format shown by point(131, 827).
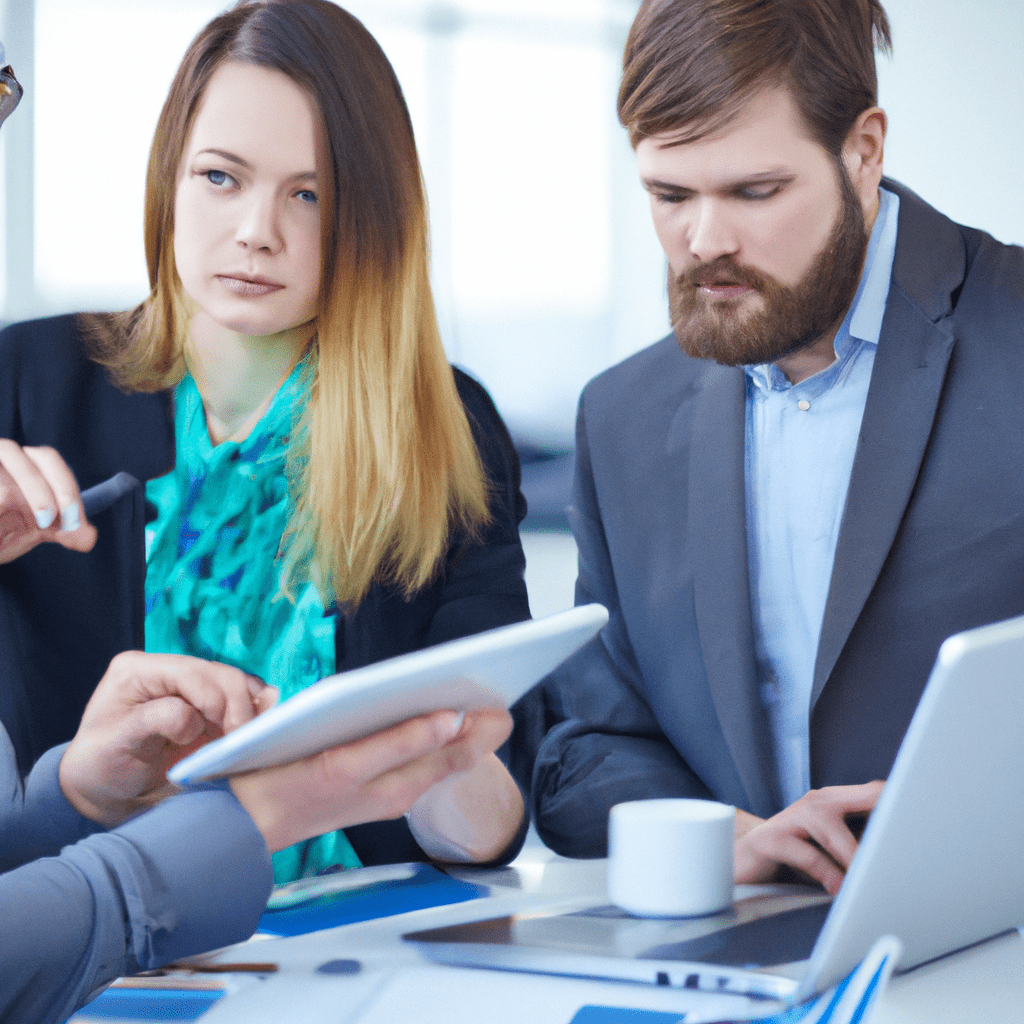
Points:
point(64, 615)
point(665, 701)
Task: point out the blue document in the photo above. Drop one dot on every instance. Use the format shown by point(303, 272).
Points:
point(362, 895)
point(135, 1004)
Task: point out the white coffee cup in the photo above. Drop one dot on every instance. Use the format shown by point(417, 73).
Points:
point(671, 857)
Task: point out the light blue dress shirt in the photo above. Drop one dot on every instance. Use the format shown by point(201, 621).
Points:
point(800, 444)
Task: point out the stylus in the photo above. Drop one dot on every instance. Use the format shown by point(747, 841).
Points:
point(99, 498)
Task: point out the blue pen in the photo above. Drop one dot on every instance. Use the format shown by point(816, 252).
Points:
point(99, 498)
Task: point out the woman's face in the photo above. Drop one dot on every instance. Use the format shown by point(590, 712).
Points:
point(246, 212)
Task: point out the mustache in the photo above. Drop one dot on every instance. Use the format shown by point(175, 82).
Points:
point(723, 270)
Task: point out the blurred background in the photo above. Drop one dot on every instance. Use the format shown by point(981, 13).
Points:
point(546, 268)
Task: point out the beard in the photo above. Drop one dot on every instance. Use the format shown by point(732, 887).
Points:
point(792, 317)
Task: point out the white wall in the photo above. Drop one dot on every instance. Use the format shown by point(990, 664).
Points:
point(954, 93)
point(546, 265)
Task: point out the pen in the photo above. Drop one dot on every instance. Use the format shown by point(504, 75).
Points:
point(99, 498)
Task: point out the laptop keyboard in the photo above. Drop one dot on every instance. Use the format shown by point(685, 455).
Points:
point(780, 938)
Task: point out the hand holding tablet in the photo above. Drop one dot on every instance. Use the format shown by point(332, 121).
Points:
point(491, 669)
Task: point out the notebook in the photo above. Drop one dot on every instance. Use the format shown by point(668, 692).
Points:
point(490, 669)
point(940, 865)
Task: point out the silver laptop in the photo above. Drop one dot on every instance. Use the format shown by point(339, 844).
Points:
point(940, 865)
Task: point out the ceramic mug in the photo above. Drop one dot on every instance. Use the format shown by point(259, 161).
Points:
point(671, 857)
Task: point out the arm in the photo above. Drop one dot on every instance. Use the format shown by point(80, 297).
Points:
point(114, 903)
point(192, 873)
point(607, 745)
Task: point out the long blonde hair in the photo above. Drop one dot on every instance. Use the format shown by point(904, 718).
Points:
point(384, 466)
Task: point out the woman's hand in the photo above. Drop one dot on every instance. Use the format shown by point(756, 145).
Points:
point(147, 713)
point(472, 815)
point(379, 777)
point(39, 501)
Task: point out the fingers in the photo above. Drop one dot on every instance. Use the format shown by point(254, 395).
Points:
point(486, 729)
point(812, 835)
point(371, 779)
point(223, 695)
point(424, 757)
point(386, 753)
point(824, 813)
point(39, 500)
point(168, 720)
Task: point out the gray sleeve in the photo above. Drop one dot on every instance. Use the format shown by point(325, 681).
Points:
point(190, 875)
point(607, 746)
point(35, 818)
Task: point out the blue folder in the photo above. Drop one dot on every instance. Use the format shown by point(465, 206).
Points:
point(137, 1004)
point(427, 887)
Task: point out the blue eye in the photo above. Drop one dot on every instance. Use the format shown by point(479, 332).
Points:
point(216, 177)
point(306, 196)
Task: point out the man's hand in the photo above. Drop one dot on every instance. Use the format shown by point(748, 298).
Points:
point(39, 501)
point(148, 712)
point(371, 779)
point(811, 835)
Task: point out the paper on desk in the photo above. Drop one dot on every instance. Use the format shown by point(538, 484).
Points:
point(468, 995)
point(852, 1001)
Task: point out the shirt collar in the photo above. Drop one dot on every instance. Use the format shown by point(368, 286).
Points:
point(863, 320)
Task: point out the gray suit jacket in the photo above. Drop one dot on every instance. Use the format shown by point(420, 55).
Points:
point(665, 701)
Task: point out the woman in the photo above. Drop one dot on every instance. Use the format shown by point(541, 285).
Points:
point(338, 494)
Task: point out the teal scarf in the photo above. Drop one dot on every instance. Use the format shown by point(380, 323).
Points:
point(213, 584)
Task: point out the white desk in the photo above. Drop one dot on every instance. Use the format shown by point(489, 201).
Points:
point(395, 985)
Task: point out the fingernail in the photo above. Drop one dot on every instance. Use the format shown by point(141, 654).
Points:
point(255, 684)
point(44, 517)
point(69, 518)
point(452, 724)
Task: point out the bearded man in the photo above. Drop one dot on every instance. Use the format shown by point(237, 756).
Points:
point(787, 505)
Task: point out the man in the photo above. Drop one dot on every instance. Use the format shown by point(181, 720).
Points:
point(788, 505)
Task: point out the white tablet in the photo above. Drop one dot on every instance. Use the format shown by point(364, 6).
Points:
point(491, 669)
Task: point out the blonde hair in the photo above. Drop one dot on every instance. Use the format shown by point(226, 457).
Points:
point(384, 468)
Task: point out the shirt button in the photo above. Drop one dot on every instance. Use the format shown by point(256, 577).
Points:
point(803, 405)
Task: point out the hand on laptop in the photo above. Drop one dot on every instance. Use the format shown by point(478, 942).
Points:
point(39, 501)
point(812, 836)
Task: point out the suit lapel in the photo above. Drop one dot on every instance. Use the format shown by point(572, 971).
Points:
point(717, 541)
point(906, 383)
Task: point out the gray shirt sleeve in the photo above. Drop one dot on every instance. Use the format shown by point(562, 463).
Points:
point(190, 875)
point(35, 818)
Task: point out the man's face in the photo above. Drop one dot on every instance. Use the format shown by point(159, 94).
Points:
point(764, 235)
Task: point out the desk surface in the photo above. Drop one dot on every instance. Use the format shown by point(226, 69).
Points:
point(395, 984)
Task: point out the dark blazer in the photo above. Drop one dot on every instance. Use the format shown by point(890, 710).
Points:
point(64, 615)
point(665, 701)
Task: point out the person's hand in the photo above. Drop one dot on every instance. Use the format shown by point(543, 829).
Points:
point(812, 835)
point(371, 779)
point(39, 501)
point(474, 815)
point(147, 713)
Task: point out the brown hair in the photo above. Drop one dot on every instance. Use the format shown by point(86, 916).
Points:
point(384, 462)
point(689, 65)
